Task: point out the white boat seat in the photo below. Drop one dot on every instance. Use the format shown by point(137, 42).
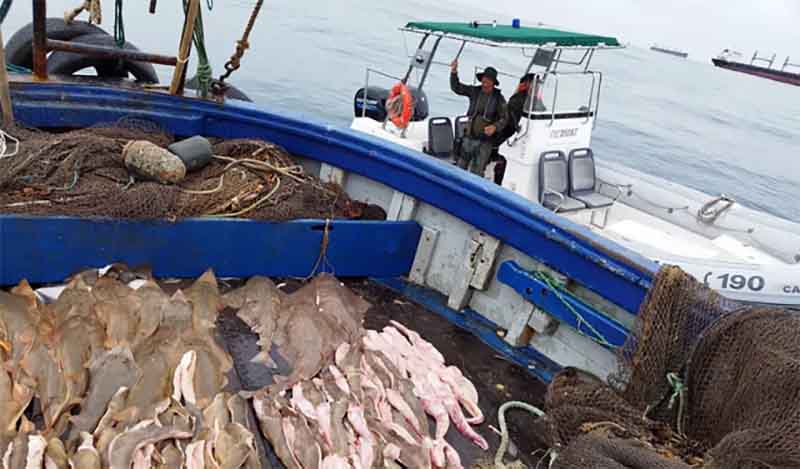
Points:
point(440, 137)
point(583, 180)
point(554, 183)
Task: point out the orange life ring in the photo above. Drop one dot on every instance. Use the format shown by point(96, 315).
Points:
point(399, 105)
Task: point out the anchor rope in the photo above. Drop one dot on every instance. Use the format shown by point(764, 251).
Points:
point(204, 72)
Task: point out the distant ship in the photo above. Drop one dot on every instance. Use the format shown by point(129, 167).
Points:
point(675, 52)
point(732, 60)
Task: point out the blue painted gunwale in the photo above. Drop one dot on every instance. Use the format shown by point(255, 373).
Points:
point(49, 249)
point(616, 273)
point(591, 322)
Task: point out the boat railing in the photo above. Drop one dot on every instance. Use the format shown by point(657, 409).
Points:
point(756, 58)
point(365, 98)
point(786, 63)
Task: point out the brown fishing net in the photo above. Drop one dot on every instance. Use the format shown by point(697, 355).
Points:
point(702, 384)
point(82, 173)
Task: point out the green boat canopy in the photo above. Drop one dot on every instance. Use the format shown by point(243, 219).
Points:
point(508, 35)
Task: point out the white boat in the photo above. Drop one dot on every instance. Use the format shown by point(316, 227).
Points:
point(745, 254)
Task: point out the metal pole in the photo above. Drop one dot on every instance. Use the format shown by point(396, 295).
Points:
point(110, 52)
point(5, 88)
point(428, 65)
point(40, 39)
point(185, 47)
point(411, 64)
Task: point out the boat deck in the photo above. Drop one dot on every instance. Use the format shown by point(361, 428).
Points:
point(660, 240)
point(496, 379)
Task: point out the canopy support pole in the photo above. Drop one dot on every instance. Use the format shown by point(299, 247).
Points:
point(176, 87)
point(428, 65)
point(411, 63)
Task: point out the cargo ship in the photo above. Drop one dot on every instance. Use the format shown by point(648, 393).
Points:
point(731, 60)
point(664, 50)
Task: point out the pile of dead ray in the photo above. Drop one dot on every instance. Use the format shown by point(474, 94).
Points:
point(121, 372)
point(83, 173)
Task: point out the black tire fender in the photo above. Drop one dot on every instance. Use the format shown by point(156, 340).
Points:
point(19, 47)
point(68, 63)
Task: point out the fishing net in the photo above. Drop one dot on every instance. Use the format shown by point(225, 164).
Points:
point(82, 173)
point(703, 383)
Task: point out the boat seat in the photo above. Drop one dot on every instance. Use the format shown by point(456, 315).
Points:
point(583, 180)
point(440, 137)
point(461, 126)
point(554, 183)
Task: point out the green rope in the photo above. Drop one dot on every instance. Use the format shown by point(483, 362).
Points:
point(679, 395)
point(119, 26)
point(17, 69)
point(4, 9)
point(204, 72)
point(557, 288)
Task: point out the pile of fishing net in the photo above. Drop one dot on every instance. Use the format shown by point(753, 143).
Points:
point(82, 173)
point(702, 384)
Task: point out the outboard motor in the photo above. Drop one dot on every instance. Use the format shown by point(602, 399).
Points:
point(376, 103)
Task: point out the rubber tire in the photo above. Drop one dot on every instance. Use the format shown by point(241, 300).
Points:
point(68, 63)
point(231, 92)
point(19, 47)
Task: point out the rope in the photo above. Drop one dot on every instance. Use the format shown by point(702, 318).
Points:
point(242, 45)
point(504, 437)
point(92, 6)
point(204, 72)
point(708, 214)
point(678, 394)
point(255, 205)
point(322, 259)
point(17, 69)
point(4, 9)
point(119, 25)
point(5, 152)
point(556, 288)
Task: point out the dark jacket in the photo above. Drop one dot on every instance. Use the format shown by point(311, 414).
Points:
point(484, 110)
point(516, 105)
point(516, 109)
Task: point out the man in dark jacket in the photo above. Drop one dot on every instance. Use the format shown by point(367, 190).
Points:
point(516, 108)
point(487, 116)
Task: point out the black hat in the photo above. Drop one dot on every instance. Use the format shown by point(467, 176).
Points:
point(527, 77)
point(491, 73)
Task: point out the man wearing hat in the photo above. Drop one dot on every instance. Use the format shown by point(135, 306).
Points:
point(487, 116)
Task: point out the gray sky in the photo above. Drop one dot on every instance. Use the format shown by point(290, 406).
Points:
point(701, 27)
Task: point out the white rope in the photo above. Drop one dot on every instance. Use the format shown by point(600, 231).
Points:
point(4, 146)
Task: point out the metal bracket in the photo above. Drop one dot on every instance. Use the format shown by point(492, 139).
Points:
point(564, 307)
point(422, 260)
point(332, 174)
point(475, 272)
point(402, 207)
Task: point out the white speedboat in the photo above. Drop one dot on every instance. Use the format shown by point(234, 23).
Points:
point(746, 254)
